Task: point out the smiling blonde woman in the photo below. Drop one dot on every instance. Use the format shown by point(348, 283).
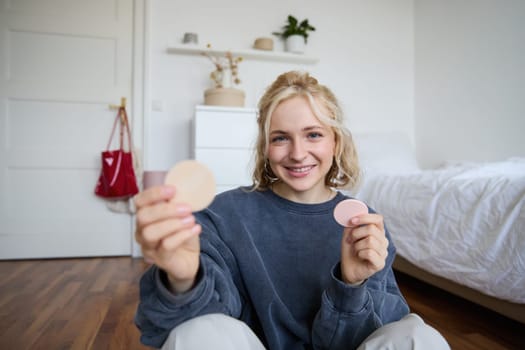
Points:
point(267, 266)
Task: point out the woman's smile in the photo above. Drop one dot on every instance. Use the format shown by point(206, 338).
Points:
point(300, 171)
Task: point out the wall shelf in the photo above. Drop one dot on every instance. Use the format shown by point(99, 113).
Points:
point(247, 54)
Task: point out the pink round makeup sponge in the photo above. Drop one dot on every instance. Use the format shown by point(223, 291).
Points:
point(194, 184)
point(345, 210)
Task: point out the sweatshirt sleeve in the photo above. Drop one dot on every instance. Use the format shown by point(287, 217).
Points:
point(159, 310)
point(350, 314)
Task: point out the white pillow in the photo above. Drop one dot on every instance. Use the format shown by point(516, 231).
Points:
point(385, 153)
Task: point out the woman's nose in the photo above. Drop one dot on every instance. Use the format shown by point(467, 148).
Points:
point(298, 151)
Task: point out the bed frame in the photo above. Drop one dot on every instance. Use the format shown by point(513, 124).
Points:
point(509, 309)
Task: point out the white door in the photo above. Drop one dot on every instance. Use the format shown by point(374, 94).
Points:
point(62, 63)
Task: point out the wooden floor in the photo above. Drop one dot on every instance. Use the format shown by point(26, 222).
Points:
point(69, 304)
point(465, 325)
point(90, 303)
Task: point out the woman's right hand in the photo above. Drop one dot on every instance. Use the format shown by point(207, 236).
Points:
point(168, 235)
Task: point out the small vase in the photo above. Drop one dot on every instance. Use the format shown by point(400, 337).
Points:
point(295, 44)
point(227, 78)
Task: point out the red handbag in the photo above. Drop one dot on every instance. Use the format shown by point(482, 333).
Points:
point(117, 178)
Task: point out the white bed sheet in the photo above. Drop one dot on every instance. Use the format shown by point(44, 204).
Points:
point(465, 222)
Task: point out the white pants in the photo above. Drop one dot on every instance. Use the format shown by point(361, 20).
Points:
point(221, 332)
point(409, 333)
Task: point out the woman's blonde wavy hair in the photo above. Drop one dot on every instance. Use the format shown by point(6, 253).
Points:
point(344, 172)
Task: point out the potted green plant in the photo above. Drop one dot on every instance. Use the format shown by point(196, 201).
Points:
point(295, 34)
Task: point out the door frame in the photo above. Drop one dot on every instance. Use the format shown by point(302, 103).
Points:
point(140, 110)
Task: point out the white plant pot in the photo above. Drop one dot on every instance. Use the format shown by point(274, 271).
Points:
point(227, 78)
point(295, 44)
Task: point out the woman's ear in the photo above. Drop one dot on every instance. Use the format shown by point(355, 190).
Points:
point(337, 142)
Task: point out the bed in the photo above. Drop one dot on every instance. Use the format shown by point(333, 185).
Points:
point(460, 227)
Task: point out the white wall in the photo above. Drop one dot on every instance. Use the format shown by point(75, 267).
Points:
point(365, 50)
point(469, 80)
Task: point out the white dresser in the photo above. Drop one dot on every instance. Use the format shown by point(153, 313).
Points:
point(223, 139)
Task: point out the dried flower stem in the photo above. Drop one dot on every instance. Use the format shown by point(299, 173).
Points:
point(221, 64)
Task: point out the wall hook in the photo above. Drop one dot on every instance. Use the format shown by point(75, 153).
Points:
point(122, 104)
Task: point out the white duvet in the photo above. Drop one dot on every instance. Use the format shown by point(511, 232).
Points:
point(465, 222)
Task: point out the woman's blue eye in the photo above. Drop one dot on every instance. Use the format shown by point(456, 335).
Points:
point(315, 135)
point(278, 139)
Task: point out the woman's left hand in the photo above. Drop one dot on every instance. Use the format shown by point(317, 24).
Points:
point(364, 248)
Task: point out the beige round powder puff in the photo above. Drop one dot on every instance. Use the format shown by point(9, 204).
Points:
point(194, 184)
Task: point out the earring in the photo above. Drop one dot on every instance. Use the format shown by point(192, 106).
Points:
point(268, 173)
point(333, 173)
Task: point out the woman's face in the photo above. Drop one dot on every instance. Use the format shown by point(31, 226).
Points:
point(300, 152)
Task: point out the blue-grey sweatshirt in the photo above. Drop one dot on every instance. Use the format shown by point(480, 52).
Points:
point(274, 264)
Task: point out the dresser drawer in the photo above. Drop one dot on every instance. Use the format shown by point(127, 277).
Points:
point(224, 127)
point(230, 168)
